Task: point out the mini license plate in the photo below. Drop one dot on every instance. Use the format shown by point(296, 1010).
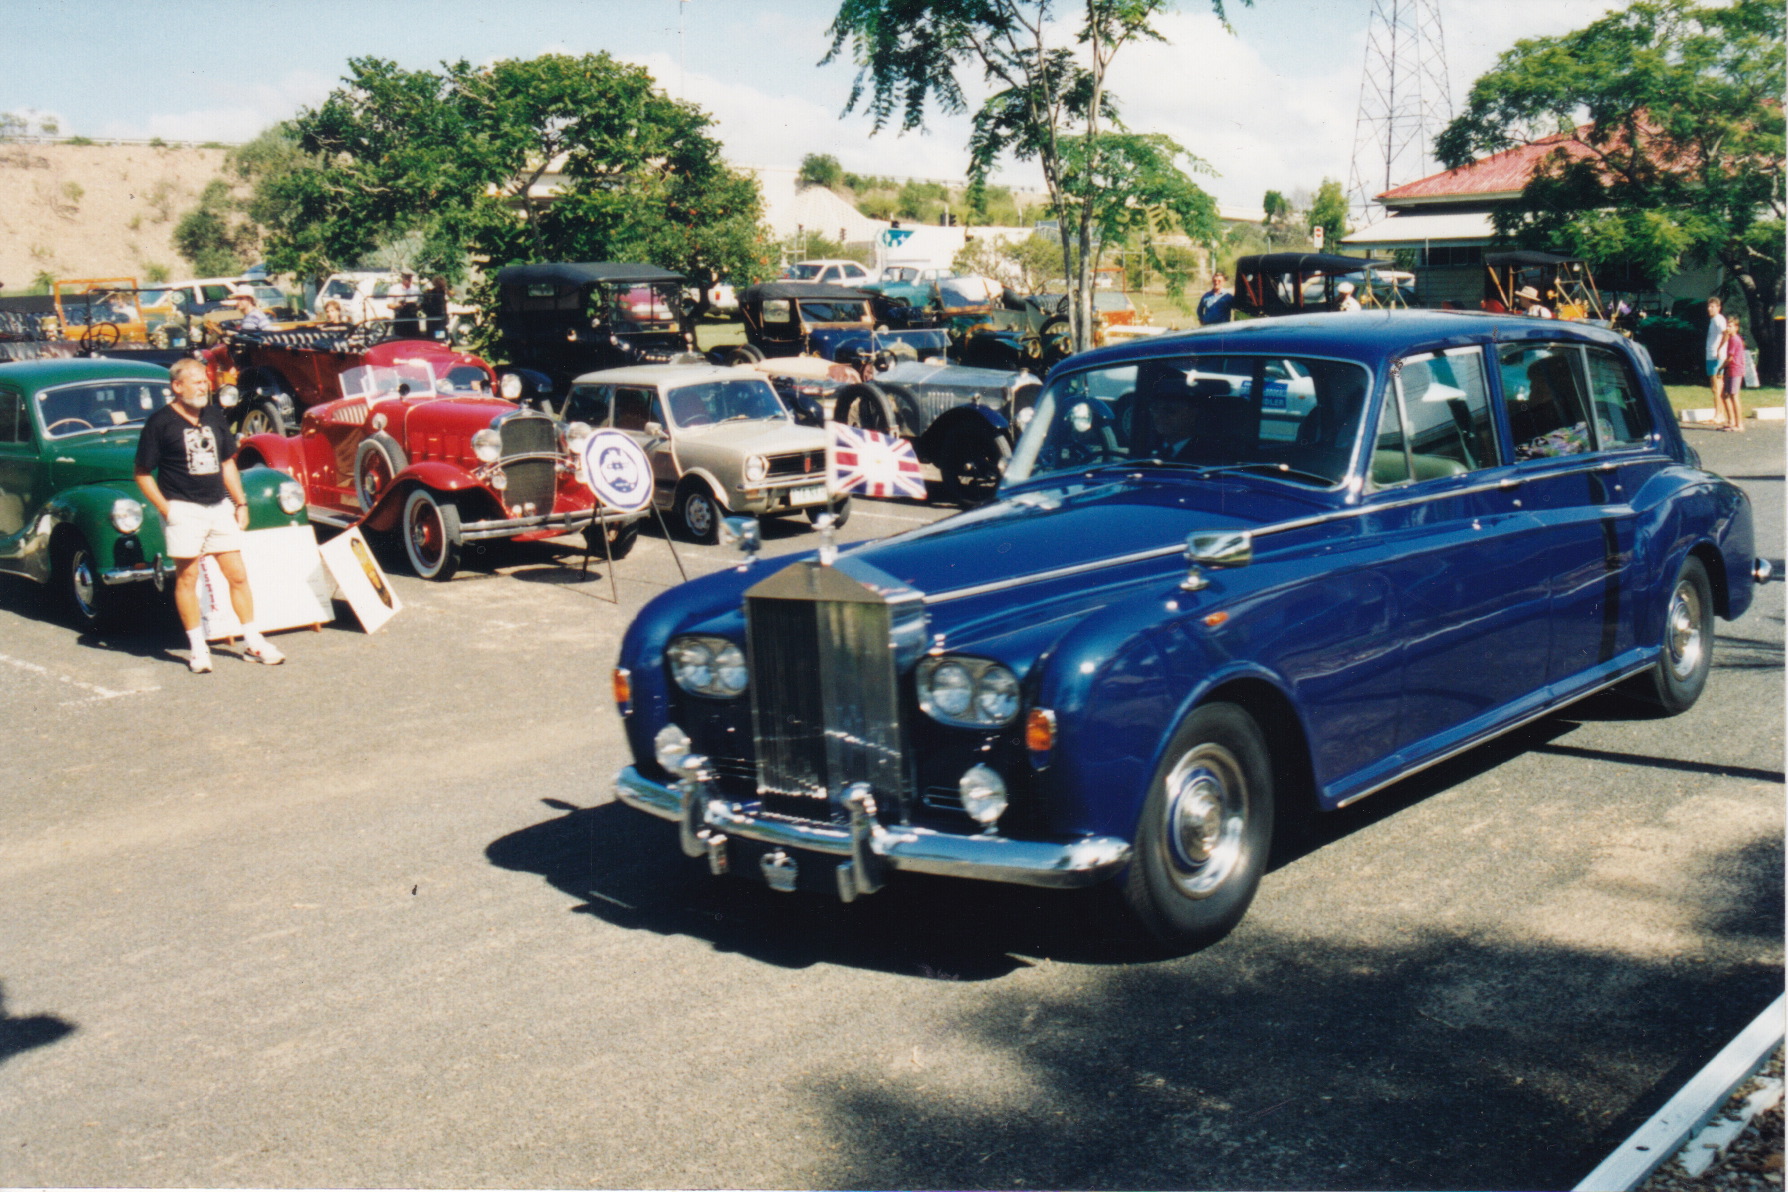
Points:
point(813, 494)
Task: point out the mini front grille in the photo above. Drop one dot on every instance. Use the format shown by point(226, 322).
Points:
point(531, 481)
point(803, 463)
point(529, 434)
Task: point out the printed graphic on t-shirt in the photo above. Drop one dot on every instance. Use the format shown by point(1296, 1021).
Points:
point(201, 451)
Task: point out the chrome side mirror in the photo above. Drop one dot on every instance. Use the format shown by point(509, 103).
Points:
point(744, 535)
point(1215, 548)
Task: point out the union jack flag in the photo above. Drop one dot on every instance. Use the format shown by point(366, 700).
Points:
point(871, 463)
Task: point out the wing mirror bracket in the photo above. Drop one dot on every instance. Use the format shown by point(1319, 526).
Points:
point(1220, 549)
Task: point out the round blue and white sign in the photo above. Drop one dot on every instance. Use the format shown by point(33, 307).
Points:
point(620, 474)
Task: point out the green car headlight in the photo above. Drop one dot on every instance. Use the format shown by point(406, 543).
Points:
point(291, 496)
point(127, 515)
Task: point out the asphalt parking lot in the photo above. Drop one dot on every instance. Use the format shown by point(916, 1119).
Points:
point(371, 918)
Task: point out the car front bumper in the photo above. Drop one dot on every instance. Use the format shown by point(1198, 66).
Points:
point(871, 848)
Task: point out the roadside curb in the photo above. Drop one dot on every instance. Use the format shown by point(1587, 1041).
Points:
point(1659, 1139)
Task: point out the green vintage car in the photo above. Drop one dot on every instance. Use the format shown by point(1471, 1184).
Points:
point(70, 510)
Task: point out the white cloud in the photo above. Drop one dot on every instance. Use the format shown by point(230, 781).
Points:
point(242, 114)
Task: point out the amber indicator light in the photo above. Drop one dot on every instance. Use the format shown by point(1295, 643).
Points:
point(623, 688)
point(1039, 730)
point(1216, 619)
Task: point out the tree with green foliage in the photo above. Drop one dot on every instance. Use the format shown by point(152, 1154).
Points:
point(215, 237)
point(1328, 211)
point(1050, 102)
point(820, 169)
point(1672, 143)
point(552, 158)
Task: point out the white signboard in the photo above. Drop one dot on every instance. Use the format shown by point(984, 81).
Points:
point(620, 474)
point(359, 579)
point(285, 576)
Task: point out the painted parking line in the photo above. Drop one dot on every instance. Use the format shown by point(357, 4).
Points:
point(96, 693)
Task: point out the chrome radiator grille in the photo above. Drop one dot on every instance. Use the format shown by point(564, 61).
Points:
point(825, 696)
point(531, 481)
point(529, 434)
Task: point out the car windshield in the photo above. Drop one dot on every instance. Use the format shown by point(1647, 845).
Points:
point(1290, 417)
point(337, 288)
point(100, 405)
point(712, 402)
point(803, 272)
point(406, 377)
point(835, 312)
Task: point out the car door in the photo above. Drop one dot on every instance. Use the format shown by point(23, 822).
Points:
point(19, 469)
point(1460, 552)
point(637, 408)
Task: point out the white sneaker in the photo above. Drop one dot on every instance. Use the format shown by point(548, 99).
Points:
point(199, 662)
point(266, 653)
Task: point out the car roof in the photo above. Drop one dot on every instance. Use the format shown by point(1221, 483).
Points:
point(32, 375)
point(804, 289)
point(1366, 336)
point(1307, 262)
point(831, 261)
point(661, 374)
point(582, 273)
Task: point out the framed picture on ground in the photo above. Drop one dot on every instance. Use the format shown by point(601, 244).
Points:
point(359, 580)
point(286, 577)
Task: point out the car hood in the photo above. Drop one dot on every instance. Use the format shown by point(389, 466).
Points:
point(753, 438)
point(94, 458)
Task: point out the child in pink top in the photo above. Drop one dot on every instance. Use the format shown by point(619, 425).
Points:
point(1735, 373)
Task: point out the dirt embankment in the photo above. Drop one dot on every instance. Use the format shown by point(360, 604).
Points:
point(95, 210)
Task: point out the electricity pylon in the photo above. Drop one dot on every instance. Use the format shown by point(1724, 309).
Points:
point(1404, 101)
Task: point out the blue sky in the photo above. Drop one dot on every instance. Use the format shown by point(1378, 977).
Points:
point(1271, 106)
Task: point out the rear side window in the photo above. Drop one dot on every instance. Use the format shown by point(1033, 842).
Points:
point(12, 429)
point(216, 293)
point(1436, 419)
point(1543, 387)
point(636, 407)
point(1621, 416)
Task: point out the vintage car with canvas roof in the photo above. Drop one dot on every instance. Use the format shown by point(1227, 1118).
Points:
point(71, 513)
point(556, 322)
point(402, 449)
point(720, 441)
point(1207, 602)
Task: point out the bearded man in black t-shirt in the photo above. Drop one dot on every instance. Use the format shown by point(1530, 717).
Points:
point(186, 466)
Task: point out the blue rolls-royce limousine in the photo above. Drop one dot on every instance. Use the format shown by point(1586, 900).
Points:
point(1230, 575)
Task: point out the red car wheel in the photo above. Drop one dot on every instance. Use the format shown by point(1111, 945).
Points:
point(431, 535)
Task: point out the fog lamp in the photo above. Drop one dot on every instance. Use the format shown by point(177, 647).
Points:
point(671, 747)
point(983, 794)
point(127, 515)
point(291, 496)
point(487, 445)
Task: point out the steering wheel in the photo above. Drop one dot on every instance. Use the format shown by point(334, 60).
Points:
point(100, 335)
point(79, 424)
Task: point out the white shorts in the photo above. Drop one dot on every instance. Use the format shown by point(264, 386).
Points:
point(195, 529)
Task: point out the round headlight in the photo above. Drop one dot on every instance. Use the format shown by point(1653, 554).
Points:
point(127, 515)
point(510, 386)
point(692, 664)
point(577, 434)
point(729, 669)
point(228, 396)
point(996, 695)
point(756, 468)
point(952, 689)
point(291, 496)
point(487, 445)
point(983, 794)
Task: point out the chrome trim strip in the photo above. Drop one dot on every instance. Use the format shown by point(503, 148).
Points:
point(500, 528)
point(1158, 552)
point(1491, 735)
point(126, 575)
point(918, 850)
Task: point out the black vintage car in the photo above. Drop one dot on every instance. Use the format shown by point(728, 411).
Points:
point(1295, 283)
point(799, 318)
point(557, 322)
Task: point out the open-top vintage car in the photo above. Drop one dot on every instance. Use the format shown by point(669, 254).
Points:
point(795, 318)
point(1199, 609)
point(442, 467)
point(1290, 283)
point(559, 321)
point(269, 378)
point(1566, 285)
point(70, 510)
point(720, 441)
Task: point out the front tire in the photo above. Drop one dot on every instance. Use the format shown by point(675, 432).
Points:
point(90, 605)
point(431, 535)
point(971, 467)
point(698, 513)
point(1206, 831)
point(1675, 681)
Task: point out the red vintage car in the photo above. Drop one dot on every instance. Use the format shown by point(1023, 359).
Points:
point(277, 375)
point(399, 450)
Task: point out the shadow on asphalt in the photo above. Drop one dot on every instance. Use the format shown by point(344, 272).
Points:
point(35, 1030)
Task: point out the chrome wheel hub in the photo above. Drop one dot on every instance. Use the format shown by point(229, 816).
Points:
point(701, 515)
point(84, 582)
point(1207, 808)
point(1682, 631)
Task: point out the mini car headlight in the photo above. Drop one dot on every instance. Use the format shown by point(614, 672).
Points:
point(983, 794)
point(756, 468)
point(996, 695)
point(511, 386)
point(709, 666)
point(127, 515)
point(576, 435)
point(291, 496)
point(228, 396)
point(487, 445)
point(970, 692)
